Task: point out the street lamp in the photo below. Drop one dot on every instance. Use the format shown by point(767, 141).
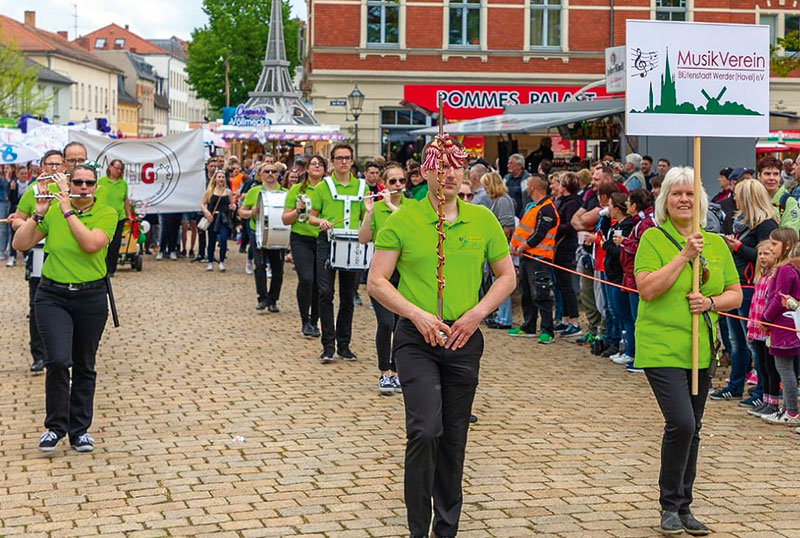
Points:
point(355, 102)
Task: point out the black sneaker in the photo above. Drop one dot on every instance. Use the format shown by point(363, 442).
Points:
point(763, 411)
point(670, 523)
point(84, 443)
point(561, 326)
point(272, 307)
point(48, 441)
point(724, 394)
point(37, 367)
point(752, 402)
point(344, 353)
point(692, 526)
point(613, 349)
point(261, 305)
point(357, 300)
point(315, 331)
point(326, 356)
point(473, 419)
point(307, 329)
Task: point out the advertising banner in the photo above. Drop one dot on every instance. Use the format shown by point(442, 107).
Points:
point(697, 79)
point(166, 173)
point(463, 102)
point(615, 69)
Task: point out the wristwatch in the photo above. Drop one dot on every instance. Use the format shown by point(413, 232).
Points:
point(713, 307)
point(37, 218)
point(68, 214)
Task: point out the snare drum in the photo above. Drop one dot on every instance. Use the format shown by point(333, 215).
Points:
point(37, 259)
point(271, 232)
point(347, 254)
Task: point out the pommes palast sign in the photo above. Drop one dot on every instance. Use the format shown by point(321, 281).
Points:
point(697, 79)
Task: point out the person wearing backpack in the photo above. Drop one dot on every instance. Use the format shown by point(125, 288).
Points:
point(784, 205)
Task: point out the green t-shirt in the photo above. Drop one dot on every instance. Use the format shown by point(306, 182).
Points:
point(664, 324)
point(112, 194)
point(418, 192)
point(66, 261)
point(475, 236)
point(301, 228)
point(791, 214)
point(27, 203)
point(251, 199)
point(381, 214)
point(333, 210)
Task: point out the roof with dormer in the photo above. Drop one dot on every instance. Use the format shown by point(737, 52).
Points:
point(118, 38)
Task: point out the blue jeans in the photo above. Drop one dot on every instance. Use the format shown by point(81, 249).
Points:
point(626, 307)
point(222, 234)
point(741, 356)
point(612, 325)
point(5, 235)
point(504, 312)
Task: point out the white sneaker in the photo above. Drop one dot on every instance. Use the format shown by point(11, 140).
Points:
point(11, 262)
point(616, 356)
point(221, 267)
point(622, 359)
point(269, 272)
point(248, 267)
point(159, 256)
point(173, 255)
point(210, 266)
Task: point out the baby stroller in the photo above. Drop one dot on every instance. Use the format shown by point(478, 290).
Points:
point(134, 236)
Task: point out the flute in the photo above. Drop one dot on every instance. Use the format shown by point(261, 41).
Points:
point(380, 194)
point(51, 196)
point(52, 176)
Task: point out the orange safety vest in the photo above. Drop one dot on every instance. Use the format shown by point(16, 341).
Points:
point(527, 225)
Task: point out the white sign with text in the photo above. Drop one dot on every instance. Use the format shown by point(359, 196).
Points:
point(697, 79)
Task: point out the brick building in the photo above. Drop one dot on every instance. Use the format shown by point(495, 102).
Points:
point(487, 52)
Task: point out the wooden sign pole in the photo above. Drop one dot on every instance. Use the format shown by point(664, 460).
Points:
point(698, 185)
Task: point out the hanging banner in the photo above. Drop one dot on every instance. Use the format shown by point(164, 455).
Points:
point(697, 79)
point(615, 69)
point(166, 173)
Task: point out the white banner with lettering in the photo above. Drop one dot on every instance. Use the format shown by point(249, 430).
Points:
point(697, 79)
point(166, 173)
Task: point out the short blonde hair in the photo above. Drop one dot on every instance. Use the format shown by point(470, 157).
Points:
point(753, 202)
point(494, 185)
point(678, 176)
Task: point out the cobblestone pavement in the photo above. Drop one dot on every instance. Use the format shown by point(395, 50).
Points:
point(214, 420)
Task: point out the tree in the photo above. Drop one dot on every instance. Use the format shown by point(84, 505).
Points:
point(19, 85)
point(784, 61)
point(236, 30)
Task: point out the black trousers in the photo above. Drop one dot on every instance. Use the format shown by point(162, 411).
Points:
point(770, 379)
point(275, 258)
point(71, 324)
point(112, 255)
point(36, 344)
point(171, 233)
point(534, 278)
point(387, 320)
point(304, 254)
point(438, 389)
point(341, 331)
point(683, 414)
point(568, 296)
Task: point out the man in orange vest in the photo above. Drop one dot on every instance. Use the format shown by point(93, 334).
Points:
point(534, 240)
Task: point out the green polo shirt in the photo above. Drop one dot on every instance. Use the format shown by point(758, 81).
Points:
point(333, 210)
point(791, 214)
point(301, 228)
point(66, 261)
point(251, 199)
point(418, 192)
point(27, 204)
point(381, 214)
point(475, 236)
point(664, 324)
point(113, 194)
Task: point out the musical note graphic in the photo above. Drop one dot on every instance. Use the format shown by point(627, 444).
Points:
point(644, 62)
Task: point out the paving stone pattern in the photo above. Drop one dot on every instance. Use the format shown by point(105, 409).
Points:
point(214, 420)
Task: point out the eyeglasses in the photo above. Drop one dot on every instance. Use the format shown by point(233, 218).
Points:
point(396, 182)
point(315, 163)
point(87, 182)
point(271, 172)
point(117, 167)
point(75, 161)
point(52, 165)
point(466, 195)
point(342, 158)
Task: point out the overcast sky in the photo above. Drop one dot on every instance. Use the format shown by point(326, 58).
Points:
point(147, 18)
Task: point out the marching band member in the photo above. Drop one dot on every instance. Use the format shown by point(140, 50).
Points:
point(267, 179)
point(336, 203)
point(374, 219)
point(71, 306)
point(52, 163)
point(303, 243)
point(438, 361)
point(112, 190)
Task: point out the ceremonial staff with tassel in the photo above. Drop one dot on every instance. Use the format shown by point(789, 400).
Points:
point(439, 246)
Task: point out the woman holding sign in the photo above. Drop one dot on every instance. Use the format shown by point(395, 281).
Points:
point(663, 270)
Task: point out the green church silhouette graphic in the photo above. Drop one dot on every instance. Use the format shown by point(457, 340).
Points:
point(669, 101)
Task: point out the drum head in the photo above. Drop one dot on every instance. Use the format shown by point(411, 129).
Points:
point(260, 216)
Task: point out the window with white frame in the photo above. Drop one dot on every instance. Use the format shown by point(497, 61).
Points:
point(100, 43)
point(546, 23)
point(465, 23)
point(670, 10)
point(383, 22)
point(781, 25)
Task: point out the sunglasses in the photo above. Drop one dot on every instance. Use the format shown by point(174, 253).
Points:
point(82, 182)
point(396, 182)
point(271, 172)
point(465, 195)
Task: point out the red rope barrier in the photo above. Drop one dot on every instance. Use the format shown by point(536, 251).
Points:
point(631, 290)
